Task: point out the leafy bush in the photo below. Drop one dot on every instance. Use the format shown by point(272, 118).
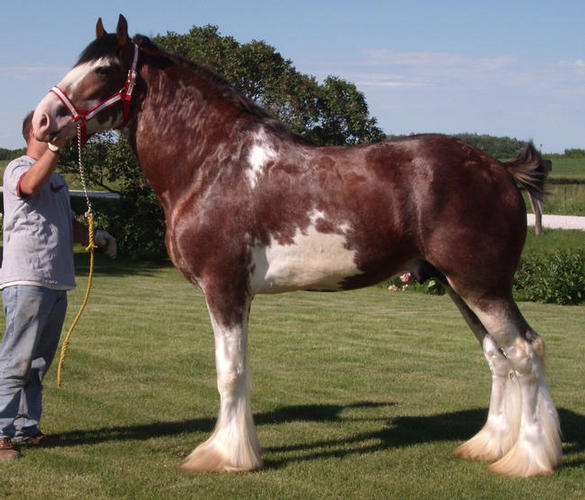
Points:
point(407, 281)
point(557, 277)
point(136, 220)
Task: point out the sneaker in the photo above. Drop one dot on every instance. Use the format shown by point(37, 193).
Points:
point(38, 438)
point(7, 451)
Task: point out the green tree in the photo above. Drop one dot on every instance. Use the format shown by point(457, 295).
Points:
point(333, 112)
point(137, 219)
point(9, 154)
point(498, 147)
point(575, 153)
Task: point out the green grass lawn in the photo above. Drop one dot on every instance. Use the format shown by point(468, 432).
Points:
point(356, 395)
point(565, 199)
point(551, 239)
point(568, 168)
point(566, 187)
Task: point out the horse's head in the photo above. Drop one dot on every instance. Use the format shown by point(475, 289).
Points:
point(90, 93)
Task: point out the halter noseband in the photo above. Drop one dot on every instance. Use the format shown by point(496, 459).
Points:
point(82, 116)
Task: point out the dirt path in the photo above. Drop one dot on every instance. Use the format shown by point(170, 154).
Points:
point(560, 221)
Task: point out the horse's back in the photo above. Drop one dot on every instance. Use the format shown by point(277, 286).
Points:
point(354, 216)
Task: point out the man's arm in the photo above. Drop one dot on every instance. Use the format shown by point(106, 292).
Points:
point(80, 233)
point(38, 174)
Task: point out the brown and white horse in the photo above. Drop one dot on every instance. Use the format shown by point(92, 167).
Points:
point(252, 208)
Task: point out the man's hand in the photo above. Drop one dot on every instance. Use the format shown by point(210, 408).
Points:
point(104, 239)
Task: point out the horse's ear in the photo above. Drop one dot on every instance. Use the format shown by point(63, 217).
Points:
point(122, 31)
point(99, 29)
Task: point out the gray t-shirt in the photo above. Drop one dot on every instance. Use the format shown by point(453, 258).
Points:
point(38, 231)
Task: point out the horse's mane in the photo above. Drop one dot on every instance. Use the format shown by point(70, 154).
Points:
point(223, 87)
point(98, 48)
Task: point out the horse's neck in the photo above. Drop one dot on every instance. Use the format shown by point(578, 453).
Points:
point(182, 122)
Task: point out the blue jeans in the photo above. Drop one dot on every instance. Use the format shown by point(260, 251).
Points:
point(34, 319)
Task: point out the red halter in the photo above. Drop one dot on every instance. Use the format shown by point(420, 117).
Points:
point(124, 95)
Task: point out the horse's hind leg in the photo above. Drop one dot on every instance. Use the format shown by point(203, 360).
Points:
point(233, 446)
point(500, 431)
point(538, 447)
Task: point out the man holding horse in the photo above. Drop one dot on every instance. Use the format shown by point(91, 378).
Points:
point(36, 273)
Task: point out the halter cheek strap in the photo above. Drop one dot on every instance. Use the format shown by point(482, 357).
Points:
point(82, 116)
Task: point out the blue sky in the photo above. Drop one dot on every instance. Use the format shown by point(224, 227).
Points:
point(513, 68)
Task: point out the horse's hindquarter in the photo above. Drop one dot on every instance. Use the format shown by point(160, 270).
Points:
point(473, 219)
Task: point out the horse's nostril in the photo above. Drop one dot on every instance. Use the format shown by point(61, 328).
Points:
point(41, 126)
point(44, 121)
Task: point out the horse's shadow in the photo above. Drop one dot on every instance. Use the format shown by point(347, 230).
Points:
point(392, 432)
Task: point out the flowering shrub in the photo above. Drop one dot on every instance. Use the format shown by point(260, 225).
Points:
point(557, 277)
point(434, 287)
point(400, 283)
point(405, 281)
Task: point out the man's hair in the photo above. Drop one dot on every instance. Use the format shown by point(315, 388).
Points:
point(27, 126)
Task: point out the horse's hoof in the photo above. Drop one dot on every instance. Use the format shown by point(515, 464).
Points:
point(526, 461)
point(487, 445)
point(479, 448)
point(473, 451)
point(208, 458)
point(506, 468)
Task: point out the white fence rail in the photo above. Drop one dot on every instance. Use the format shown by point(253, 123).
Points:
point(92, 194)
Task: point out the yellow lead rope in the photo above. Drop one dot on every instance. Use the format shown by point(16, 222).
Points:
point(91, 247)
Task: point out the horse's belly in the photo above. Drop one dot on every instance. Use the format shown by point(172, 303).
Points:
point(314, 261)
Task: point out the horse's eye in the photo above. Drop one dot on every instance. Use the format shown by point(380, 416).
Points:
point(103, 70)
point(61, 111)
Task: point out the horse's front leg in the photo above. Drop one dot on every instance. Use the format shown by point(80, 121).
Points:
point(233, 446)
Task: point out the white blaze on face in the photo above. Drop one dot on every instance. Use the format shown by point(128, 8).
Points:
point(261, 153)
point(315, 260)
point(73, 79)
point(71, 84)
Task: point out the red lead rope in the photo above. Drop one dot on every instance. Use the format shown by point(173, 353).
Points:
point(82, 116)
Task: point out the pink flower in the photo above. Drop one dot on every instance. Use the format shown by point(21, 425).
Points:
point(392, 288)
point(405, 278)
point(404, 287)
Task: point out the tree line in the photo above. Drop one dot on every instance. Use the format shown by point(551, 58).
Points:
point(9, 154)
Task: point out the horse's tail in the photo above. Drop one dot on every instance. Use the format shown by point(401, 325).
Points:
point(529, 171)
